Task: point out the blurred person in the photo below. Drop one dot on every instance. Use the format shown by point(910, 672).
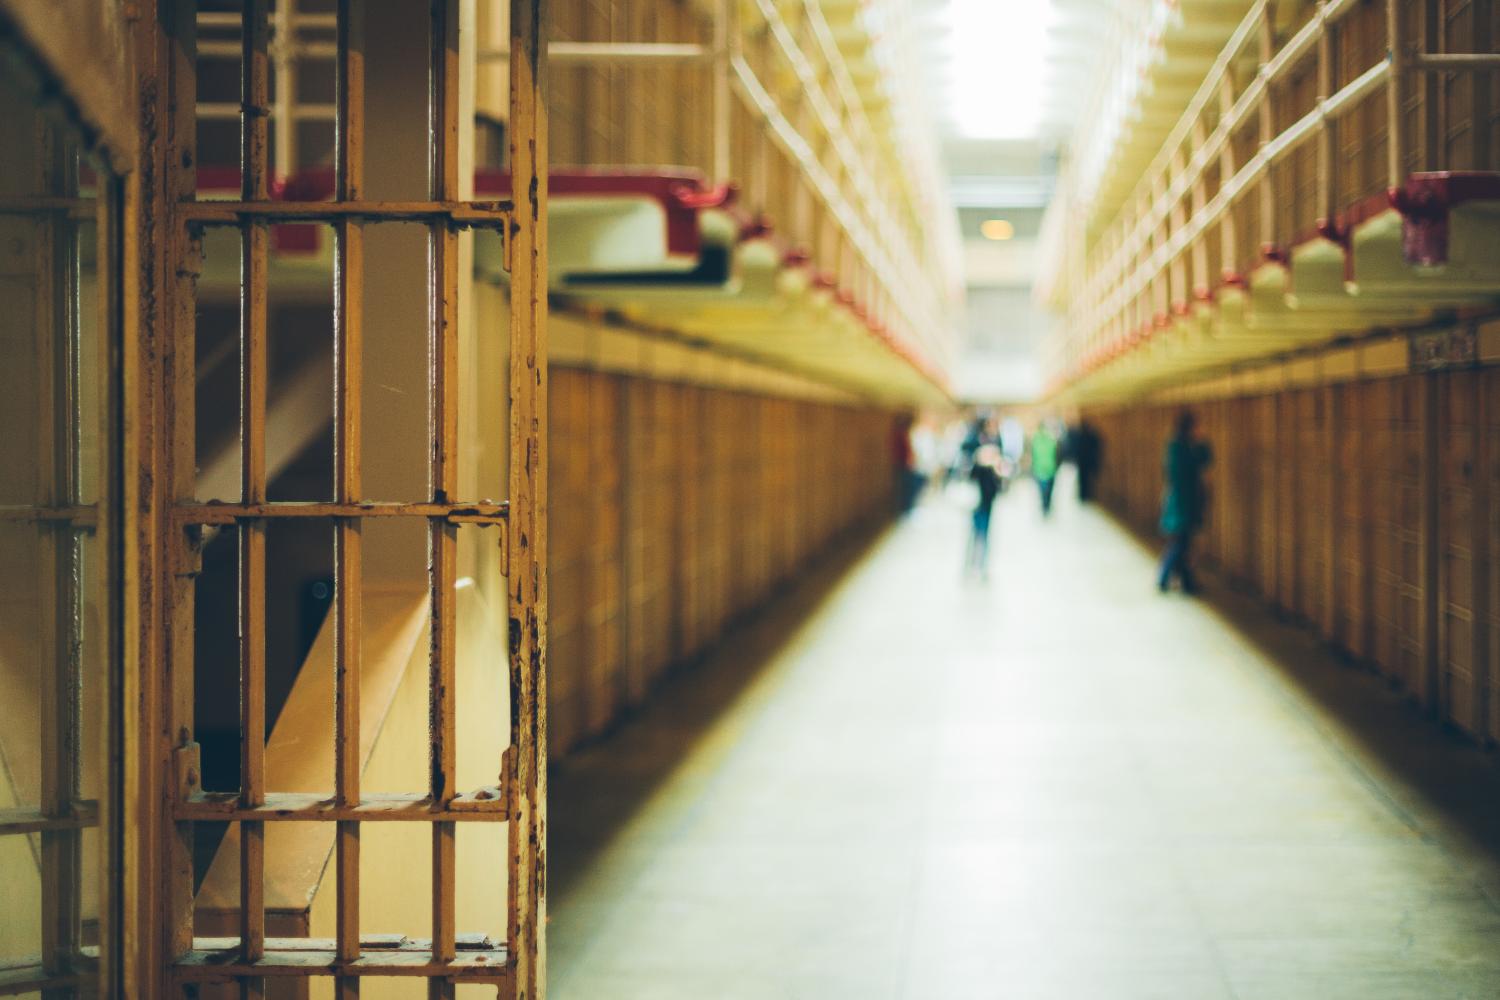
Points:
point(1087, 449)
point(1183, 501)
point(924, 457)
point(1044, 463)
point(975, 436)
point(1012, 439)
point(902, 460)
point(986, 474)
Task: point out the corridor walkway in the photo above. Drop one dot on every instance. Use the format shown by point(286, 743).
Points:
point(1059, 784)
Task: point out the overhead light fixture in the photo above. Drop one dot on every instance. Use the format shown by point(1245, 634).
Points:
point(997, 229)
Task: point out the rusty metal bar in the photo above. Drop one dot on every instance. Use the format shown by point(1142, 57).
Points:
point(255, 249)
point(57, 445)
point(222, 111)
point(284, 57)
point(216, 960)
point(83, 517)
point(177, 255)
point(459, 214)
point(77, 208)
point(443, 85)
point(484, 805)
point(348, 322)
point(227, 19)
point(80, 814)
point(526, 572)
point(231, 513)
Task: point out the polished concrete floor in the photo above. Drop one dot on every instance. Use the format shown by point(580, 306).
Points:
point(903, 783)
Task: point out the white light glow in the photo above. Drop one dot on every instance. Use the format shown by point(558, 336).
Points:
point(997, 65)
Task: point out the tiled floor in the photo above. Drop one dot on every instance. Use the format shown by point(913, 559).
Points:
point(1058, 784)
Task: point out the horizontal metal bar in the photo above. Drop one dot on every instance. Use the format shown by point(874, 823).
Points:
point(464, 214)
point(561, 53)
point(483, 512)
point(287, 50)
point(477, 959)
point(20, 980)
point(85, 813)
point(1357, 90)
point(26, 974)
point(483, 805)
point(227, 110)
point(76, 208)
point(232, 19)
point(79, 516)
point(1455, 62)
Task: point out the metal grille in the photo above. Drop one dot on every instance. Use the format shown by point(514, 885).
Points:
point(56, 657)
point(449, 957)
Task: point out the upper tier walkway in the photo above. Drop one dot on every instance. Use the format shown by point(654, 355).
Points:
point(1059, 784)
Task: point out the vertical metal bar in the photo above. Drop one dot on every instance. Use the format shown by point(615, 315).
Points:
point(1228, 238)
point(1200, 277)
point(1481, 90)
point(285, 53)
point(723, 96)
point(1431, 108)
point(527, 522)
point(1429, 671)
point(175, 259)
point(1266, 186)
point(255, 183)
point(1395, 142)
point(1328, 71)
point(443, 470)
point(1479, 565)
point(348, 319)
point(56, 446)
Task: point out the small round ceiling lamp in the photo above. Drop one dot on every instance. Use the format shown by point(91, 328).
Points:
point(997, 229)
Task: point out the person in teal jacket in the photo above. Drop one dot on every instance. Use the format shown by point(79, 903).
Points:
point(1044, 463)
point(1183, 502)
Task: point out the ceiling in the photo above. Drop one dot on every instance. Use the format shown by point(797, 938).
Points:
point(1012, 78)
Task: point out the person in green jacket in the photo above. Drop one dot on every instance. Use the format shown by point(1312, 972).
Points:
point(1044, 463)
point(1183, 502)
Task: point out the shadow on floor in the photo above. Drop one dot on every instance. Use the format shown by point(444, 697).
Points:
point(594, 792)
point(1407, 756)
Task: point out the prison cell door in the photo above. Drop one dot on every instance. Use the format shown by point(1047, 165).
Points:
point(264, 222)
point(59, 662)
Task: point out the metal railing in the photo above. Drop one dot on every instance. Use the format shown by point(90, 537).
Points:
point(886, 259)
point(1156, 254)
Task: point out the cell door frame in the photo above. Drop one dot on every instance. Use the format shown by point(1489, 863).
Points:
point(164, 781)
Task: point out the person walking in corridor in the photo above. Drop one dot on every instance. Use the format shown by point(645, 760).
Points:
point(987, 475)
point(1044, 463)
point(1182, 502)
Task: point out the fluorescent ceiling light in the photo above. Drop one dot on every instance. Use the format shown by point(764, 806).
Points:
point(997, 65)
